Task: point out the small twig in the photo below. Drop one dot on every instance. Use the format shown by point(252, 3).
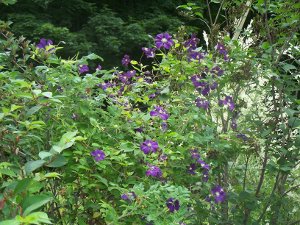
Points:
point(218, 13)
point(209, 12)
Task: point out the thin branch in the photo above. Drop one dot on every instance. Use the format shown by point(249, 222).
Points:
point(218, 13)
point(209, 12)
point(242, 21)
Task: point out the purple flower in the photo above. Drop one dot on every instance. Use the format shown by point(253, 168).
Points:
point(131, 73)
point(222, 50)
point(217, 70)
point(98, 154)
point(83, 68)
point(205, 175)
point(213, 86)
point(163, 157)
point(242, 136)
point(233, 124)
point(125, 77)
point(218, 194)
point(104, 86)
point(164, 126)
point(99, 67)
point(195, 56)
point(159, 111)
point(227, 101)
point(153, 171)
point(195, 154)
point(191, 168)
point(163, 40)
point(153, 95)
point(192, 42)
point(202, 103)
point(205, 91)
point(149, 146)
point(125, 197)
point(139, 130)
point(125, 60)
point(149, 52)
point(203, 164)
point(44, 43)
point(173, 205)
point(197, 81)
point(129, 196)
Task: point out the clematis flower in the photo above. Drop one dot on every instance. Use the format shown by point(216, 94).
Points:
point(217, 70)
point(191, 168)
point(83, 68)
point(98, 155)
point(99, 67)
point(195, 154)
point(195, 56)
point(159, 111)
point(218, 194)
point(44, 43)
point(164, 126)
point(126, 60)
point(228, 101)
point(242, 136)
point(149, 52)
point(149, 146)
point(222, 50)
point(203, 164)
point(163, 157)
point(153, 171)
point(205, 175)
point(192, 42)
point(104, 85)
point(129, 196)
point(202, 103)
point(197, 81)
point(173, 205)
point(164, 40)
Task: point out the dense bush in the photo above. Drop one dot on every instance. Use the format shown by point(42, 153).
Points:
point(203, 135)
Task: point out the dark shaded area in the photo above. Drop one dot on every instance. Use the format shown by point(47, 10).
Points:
point(110, 28)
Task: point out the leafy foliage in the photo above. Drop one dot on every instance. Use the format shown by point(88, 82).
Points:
point(205, 134)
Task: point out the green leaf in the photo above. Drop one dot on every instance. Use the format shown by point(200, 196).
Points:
point(47, 94)
point(35, 218)
point(32, 203)
point(10, 222)
point(52, 175)
point(14, 107)
point(58, 162)
point(33, 110)
point(33, 165)
point(44, 154)
point(22, 185)
point(93, 122)
point(7, 172)
point(8, 2)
